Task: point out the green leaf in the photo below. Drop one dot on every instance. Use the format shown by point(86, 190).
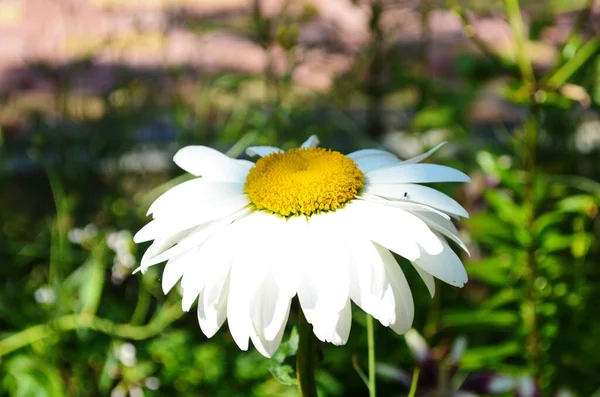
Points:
point(90, 291)
point(30, 376)
point(210, 362)
point(476, 358)
point(547, 220)
point(493, 270)
point(554, 241)
point(282, 362)
point(581, 244)
point(583, 204)
point(506, 208)
point(488, 228)
point(434, 117)
point(467, 318)
point(501, 298)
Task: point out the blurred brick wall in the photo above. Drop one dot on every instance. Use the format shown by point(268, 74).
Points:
point(150, 34)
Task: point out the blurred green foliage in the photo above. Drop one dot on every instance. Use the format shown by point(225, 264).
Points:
point(75, 321)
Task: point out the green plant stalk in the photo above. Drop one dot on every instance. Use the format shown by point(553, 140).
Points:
point(306, 358)
point(587, 51)
point(530, 312)
point(98, 257)
point(413, 385)
point(59, 233)
point(359, 371)
point(371, 347)
point(71, 322)
point(582, 18)
point(142, 306)
point(531, 129)
point(374, 85)
point(469, 32)
point(238, 148)
point(516, 23)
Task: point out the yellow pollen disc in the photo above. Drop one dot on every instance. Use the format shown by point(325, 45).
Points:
point(303, 181)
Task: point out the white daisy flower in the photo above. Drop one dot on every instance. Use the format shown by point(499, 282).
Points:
point(245, 238)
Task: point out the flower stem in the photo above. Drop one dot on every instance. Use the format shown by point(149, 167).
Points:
point(71, 322)
point(413, 384)
point(306, 358)
point(515, 19)
point(371, 346)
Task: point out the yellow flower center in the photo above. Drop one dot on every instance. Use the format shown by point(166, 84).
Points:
point(303, 181)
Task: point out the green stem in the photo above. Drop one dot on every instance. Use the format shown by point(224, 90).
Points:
point(531, 132)
point(470, 33)
point(238, 148)
point(530, 308)
point(374, 84)
point(306, 358)
point(96, 281)
point(586, 52)
point(582, 18)
point(371, 346)
point(359, 371)
point(413, 384)
point(59, 239)
point(71, 322)
point(142, 306)
point(516, 23)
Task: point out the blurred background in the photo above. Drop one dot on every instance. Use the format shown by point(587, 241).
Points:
point(97, 95)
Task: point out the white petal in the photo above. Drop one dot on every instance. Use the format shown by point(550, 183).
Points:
point(417, 345)
point(238, 318)
point(268, 347)
point(370, 163)
point(373, 224)
point(160, 228)
point(175, 269)
point(527, 387)
point(193, 193)
point(394, 228)
point(329, 262)
point(325, 285)
point(262, 151)
point(275, 309)
point(291, 252)
point(311, 142)
point(421, 157)
point(363, 153)
point(398, 292)
point(372, 154)
point(334, 327)
point(212, 164)
point(212, 309)
point(384, 299)
point(417, 193)
point(501, 384)
point(416, 173)
point(212, 264)
point(197, 237)
point(458, 349)
point(403, 204)
point(446, 266)
point(368, 276)
point(247, 274)
point(158, 247)
point(443, 226)
point(271, 309)
point(427, 279)
point(199, 205)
